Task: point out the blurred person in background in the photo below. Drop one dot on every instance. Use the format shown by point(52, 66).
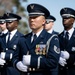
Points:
point(2, 34)
point(9, 43)
point(49, 27)
point(49, 24)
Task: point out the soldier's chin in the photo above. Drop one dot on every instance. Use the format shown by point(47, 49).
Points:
point(65, 25)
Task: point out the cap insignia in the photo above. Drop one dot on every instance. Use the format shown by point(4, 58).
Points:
point(32, 6)
point(7, 14)
point(65, 9)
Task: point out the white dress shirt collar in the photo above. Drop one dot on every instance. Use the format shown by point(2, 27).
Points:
point(11, 35)
point(50, 31)
point(13, 32)
point(70, 32)
point(37, 34)
point(5, 31)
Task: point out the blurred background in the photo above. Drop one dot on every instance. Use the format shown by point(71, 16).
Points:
point(19, 7)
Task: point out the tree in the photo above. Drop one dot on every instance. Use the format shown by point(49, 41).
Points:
point(16, 6)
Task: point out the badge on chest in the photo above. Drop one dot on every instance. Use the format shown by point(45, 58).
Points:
point(40, 49)
point(14, 47)
point(73, 48)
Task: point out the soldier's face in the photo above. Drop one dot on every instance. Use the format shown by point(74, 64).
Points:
point(11, 26)
point(49, 25)
point(68, 23)
point(36, 23)
point(3, 26)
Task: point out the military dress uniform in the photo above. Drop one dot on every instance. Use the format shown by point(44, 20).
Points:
point(41, 61)
point(37, 52)
point(54, 71)
point(2, 33)
point(69, 67)
point(49, 19)
point(41, 58)
point(71, 49)
point(9, 49)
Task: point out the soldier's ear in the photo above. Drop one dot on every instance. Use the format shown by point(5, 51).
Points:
point(73, 20)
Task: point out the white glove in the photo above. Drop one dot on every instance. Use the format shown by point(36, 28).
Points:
point(26, 59)
point(62, 61)
point(65, 54)
point(21, 66)
point(3, 55)
point(2, 61)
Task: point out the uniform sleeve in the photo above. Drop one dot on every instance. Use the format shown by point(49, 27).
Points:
point(20, 51)
point(51, 59)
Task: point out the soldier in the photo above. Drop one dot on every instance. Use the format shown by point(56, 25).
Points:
point(67, 42)
point(49, 24)
point(9, 44)
point(39, 60)
point(2, 33)
point(49, 27)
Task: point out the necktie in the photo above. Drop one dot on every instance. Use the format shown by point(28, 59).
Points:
point(66, 38)
point(34, 37)
point(8, 38)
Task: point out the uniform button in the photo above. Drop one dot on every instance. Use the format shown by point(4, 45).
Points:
point(30, 69)
point(33, 69)
point(6, 48)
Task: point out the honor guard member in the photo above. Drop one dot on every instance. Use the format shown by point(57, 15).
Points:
point(39, 59)
point(2, 34)
point(10, 44)
point(67, 42)
point(49, 28)
point(49, 24)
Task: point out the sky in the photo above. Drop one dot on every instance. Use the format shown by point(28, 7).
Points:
point(54, 6)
